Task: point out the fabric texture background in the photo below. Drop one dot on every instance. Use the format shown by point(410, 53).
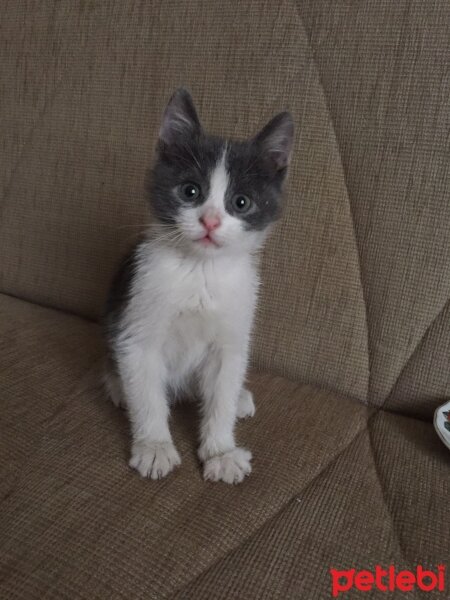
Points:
point(352, 341)
point(332, 486)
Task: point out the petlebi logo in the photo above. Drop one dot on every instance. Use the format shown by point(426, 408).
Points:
point(386, 579)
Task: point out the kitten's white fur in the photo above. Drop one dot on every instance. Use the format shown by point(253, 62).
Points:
point(190, 314)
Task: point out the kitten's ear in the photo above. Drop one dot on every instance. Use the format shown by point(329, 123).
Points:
point(180, 118)
point(275, 141)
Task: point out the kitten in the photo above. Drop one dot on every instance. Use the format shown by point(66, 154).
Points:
point(181, 307)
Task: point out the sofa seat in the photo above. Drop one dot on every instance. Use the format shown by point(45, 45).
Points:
point(335, 484)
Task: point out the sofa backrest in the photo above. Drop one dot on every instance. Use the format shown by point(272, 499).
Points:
point(356, 278)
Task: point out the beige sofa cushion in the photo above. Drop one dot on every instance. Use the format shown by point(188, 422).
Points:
point(384, 70)
point(74, 517)
point(333, 484)
point(355, 279)
point(382, 501)
point(85, 85)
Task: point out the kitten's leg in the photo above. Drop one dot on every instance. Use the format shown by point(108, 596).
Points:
point(221, 380)
point(143, 378)
point(246, 406)
point(113, 387)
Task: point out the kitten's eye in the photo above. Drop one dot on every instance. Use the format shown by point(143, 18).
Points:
point(191, 191)
point(241, 203)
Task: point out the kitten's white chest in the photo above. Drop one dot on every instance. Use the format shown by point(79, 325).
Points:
point(200, 301)
point(202, 291)
point(205, 299)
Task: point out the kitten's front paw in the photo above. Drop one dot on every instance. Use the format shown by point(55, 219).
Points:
point(154, 459)
point(230, 467)
point(246, 406)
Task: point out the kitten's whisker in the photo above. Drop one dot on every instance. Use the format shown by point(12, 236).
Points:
point(147, 226)
point(171, 236)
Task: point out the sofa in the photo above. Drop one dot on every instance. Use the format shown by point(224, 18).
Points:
point(351, 347)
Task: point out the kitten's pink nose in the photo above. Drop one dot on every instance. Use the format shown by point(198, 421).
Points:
point(210, 221)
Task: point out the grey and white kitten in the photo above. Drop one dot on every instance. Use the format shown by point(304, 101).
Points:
point(180, 310)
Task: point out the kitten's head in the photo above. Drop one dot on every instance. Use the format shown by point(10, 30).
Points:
point(215, 195)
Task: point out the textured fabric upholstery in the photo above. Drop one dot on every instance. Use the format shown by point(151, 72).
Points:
point(332, 486)
point(359, 261)
point(352, 341)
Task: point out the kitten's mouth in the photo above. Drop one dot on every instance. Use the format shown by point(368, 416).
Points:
point(207, 240)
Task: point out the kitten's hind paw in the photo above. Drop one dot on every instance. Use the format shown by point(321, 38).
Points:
point(230, 467)
point(246, 406)
point(154, 459)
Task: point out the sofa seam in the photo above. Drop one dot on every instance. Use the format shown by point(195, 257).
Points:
point(417, 348)
point(329, 464)
point(349, 202)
